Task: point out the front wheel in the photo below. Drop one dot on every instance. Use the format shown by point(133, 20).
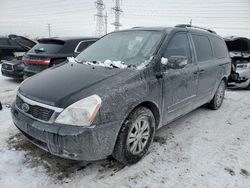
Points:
point(218, 98)
point(135, 136)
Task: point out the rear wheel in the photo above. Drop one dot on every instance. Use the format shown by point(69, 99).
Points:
point(218, 98)
point(135, 136)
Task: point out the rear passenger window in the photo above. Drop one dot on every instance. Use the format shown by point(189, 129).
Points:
point(178, 46)
point(83, 45)
point(3, 42)
point(90, 42)
point(203, 47)
point(220, 48)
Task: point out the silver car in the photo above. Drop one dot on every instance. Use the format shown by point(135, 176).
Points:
point(239, 50)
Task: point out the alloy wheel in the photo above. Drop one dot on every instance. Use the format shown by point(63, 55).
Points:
point(138, 136)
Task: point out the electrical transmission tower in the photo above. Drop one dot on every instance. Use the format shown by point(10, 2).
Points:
point(117, 11)
point(99, 18)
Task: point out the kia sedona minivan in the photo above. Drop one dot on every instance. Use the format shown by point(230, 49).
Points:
point(112, 98)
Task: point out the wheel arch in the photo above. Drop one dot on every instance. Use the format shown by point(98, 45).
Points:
point(152, 107)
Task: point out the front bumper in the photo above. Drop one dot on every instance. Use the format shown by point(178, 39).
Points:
point(66, 141)
point(13, 73)
point(243, 80)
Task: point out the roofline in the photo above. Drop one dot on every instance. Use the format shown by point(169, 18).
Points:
point(64, 39)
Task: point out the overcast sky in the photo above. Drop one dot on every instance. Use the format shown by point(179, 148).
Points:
point(76, 17)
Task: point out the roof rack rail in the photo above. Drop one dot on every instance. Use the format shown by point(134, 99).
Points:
point(136, 27)
point(196, 27)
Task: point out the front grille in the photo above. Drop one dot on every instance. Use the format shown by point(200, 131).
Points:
point(34, 110)
point(7, 67)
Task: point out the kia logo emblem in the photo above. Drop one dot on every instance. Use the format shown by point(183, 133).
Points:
point(25, 107)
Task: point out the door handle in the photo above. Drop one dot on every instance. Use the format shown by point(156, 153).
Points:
point(199, 72)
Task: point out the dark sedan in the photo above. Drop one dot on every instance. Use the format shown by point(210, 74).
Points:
point(13, 68)
point(52, 51)
point(11, 51)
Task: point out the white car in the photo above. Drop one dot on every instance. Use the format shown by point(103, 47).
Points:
point(239, 50)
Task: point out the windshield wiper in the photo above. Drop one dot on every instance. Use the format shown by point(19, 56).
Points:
point(131, 66)
point(85, 61)
point(40, 50)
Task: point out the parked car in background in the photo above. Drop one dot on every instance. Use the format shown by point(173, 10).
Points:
point(13, 65)
point(53, 51)
point(239, 49)
point(120, 90)
point(8, 47)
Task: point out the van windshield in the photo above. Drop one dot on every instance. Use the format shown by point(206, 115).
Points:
point(129, 47)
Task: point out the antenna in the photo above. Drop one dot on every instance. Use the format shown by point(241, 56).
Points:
point(49, 29)
point(99, 15)
point(117, 11)
point(106, 23)
point(190, 22)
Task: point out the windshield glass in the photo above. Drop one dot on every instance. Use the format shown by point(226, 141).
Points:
point(129, 47)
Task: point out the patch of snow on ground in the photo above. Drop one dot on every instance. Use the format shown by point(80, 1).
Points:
point(8, 88)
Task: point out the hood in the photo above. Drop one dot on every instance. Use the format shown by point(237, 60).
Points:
point(238, 46)
point(62, 85)
point(22, 41)
point(16, 43)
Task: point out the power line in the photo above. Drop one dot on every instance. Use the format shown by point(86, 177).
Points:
point(117, 11)
point(99, 18)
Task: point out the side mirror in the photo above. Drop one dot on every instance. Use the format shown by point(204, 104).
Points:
point(174, 62)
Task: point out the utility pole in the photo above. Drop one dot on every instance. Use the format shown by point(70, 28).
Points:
point(106, 23)
point(49, 29)
point(99, 18)
point(117, 11)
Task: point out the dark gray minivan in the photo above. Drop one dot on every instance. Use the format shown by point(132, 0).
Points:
point(117, 92)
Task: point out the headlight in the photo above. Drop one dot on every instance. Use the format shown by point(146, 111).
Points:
point(81, 113)
point(244, 66)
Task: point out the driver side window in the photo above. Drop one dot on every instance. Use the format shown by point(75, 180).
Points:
point(178, 46)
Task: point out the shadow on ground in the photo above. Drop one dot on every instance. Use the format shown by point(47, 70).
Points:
point(58, 168)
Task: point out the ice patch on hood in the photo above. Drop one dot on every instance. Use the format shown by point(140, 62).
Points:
point(112, 64)
point(108, 63)
point(71, 60)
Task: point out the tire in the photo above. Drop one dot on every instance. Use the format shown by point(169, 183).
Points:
point(218, 98)
point(130, 148)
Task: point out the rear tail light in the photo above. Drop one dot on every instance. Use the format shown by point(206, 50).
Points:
point(36, 61)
